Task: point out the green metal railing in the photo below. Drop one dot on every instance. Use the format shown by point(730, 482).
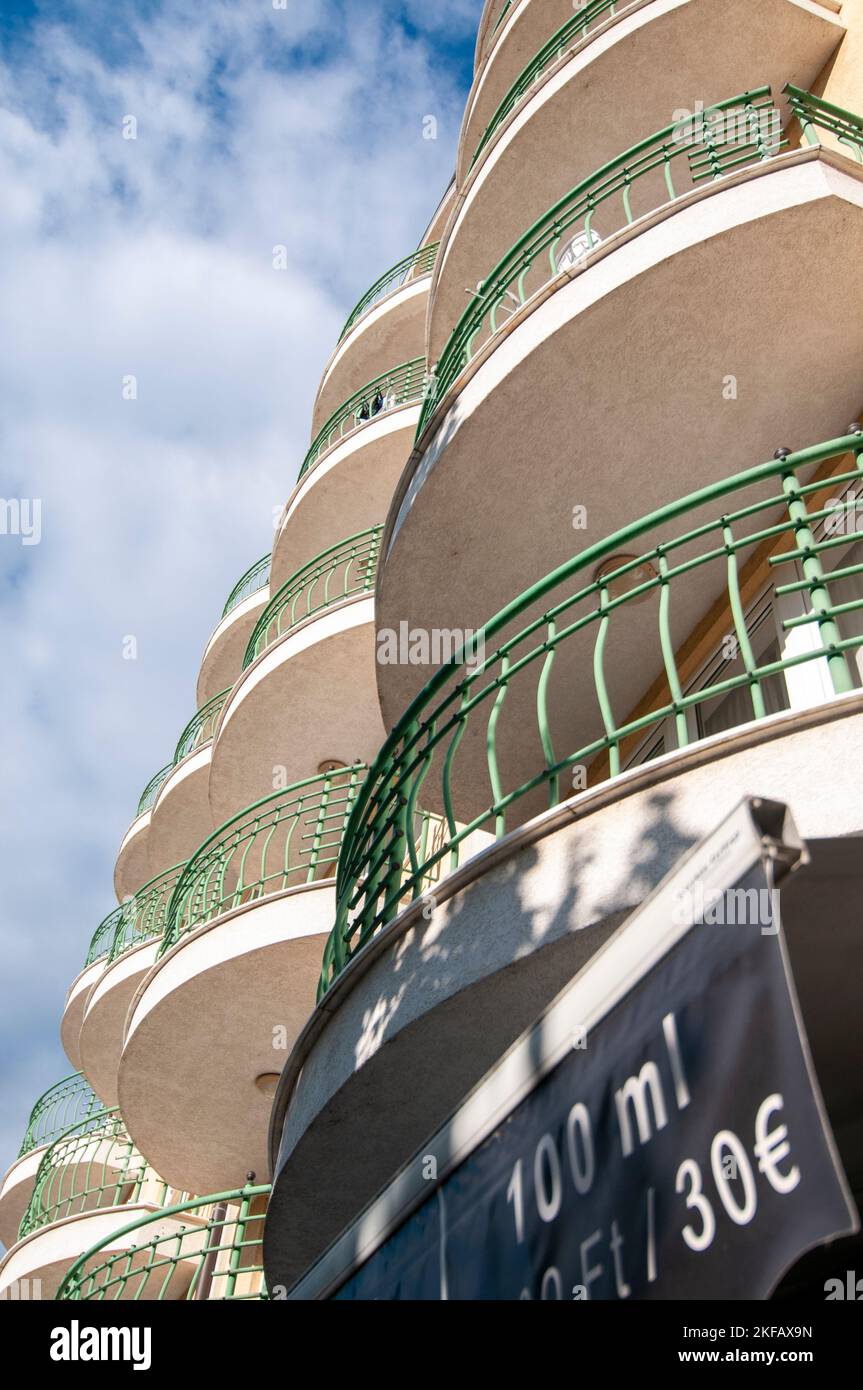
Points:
point(288, 839)
point(501, 17)
point(815, 114)
point(449, 746)
point(255, 579)
point(339, 573)
point(92, 1166)
point(563, 39)
point(68, 1102)
point(152, 789)
point(400, 386)
point(140, 918)
point(201, 728)
point(419, 263)
point(721, 140)
point(215, 1254)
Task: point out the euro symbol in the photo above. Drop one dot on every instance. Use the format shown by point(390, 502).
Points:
point(772, 1147)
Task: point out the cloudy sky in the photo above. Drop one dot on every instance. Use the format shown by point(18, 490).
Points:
point(152, 257)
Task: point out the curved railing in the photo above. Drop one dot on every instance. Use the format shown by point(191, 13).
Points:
point(255, 579)
point(215, 1254)
point(507, 6)
point(511, 724)
point(90, 1167)
point(400, 386)
point(68, 1102)
point(564, 38)
point(201, 728)
point(339, 573)
point(814, 115)
point(152, 789)
point(140, 918)
point(288, 839)
point(743, 130)
point(419, 263)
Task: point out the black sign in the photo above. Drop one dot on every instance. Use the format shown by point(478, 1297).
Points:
point(678, 1150)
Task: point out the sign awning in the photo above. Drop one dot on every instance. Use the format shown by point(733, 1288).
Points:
point(658, 1134)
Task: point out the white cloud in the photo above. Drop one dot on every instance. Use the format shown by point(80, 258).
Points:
point(153, 257)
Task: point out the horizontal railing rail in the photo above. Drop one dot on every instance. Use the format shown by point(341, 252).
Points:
point(92, 1166)
point(206, 1248)
point(553, 658)
point(201, 728)
point(341, 572)
point(152, 789)
point(68, 1102)
point(255, 579)
point(286, 840)
point(419, 263)
point(814, 115)
point(401, 386)
point(742, 131)
point(139, 918)
point(563, 39)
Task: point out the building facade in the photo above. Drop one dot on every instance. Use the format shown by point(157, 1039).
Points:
point(574, 560)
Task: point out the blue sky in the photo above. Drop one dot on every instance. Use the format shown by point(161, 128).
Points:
point(152, 257)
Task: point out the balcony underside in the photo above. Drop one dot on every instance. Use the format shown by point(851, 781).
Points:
point(416, 1020)
point(49, 1253)
point(644, 66)
point(392, 331)
point(181, 817)
point(74, 1008)
point(15, 1193)
point(132, 869)
point(101, 1038)
point(308, 699)
point(217, 1012)
point(348, 491)
point(223, 658)
point(753, 282)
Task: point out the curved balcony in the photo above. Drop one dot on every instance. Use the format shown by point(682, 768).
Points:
point(351, 470)
point(440, 217)
point(659, 349)
point(491, 21)
point(223, 658)
point(201, 728)
point(340, 573)
point(213, 1253)
point(68, 1102)
point(521, 31)
point(125, 944)
point(307, 696)
point(610, 87)
point(83, 1178)
point(133, 862)
point(92, 1166)
point(233, 984)
point(600, 724)
point(181, 817)
point(388, 325)
point(79, 993)
point(566, 31)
